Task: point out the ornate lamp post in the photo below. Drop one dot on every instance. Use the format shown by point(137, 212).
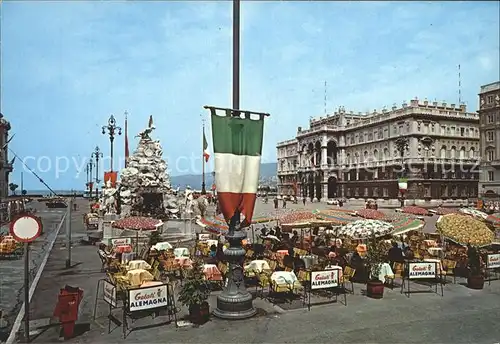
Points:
point(112, 129)
point(97, 154)
point(90, 164)
point(402, 144)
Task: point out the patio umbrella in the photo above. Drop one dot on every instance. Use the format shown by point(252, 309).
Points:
point(415, 210)
point(362, 229)
point(214, 224)
point(407, 224)
point(494, 219)
point(464, 229)
point(138, 224)
point(474, 212)
point(272, 237)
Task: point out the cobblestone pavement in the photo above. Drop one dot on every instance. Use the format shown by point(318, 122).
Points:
point(12, 269)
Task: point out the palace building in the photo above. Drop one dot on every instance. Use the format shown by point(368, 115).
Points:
point(355, 155)
point(489, 114)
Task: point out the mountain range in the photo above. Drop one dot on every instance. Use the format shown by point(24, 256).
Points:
point(267, 176)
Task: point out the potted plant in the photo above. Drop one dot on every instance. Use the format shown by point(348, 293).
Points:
point(375, 256)
point(195, 293)
point(475, 278)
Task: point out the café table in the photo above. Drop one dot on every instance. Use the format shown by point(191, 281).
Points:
point(284, 281)
point(162, 246)
point(184, 261)
point(123, 249)
point(385, 271)
point(435, 251)
point(138, 264)
point(181, 252)
point(151, 284)
point(257, 266)
point(211, 272)
point(138, 277)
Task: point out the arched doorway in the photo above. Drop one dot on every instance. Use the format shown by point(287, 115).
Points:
point(332, 187)
point(318, 179)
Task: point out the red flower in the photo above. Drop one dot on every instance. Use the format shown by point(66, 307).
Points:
point(415, 210)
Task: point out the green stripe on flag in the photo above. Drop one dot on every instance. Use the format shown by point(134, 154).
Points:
point(239, 136)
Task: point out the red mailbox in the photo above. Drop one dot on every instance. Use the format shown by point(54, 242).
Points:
point(66, 310)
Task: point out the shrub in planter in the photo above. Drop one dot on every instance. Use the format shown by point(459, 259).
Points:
point(475, 279)
point(375, 256)
point(195, 293)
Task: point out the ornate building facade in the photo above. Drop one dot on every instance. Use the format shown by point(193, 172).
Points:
point(5, 164)
point(489, 117)
point(356, 156)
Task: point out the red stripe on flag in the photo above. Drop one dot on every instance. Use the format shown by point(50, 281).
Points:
point(229, 202)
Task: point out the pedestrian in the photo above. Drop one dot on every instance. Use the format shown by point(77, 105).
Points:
point(276, 203)
point(284, 203)
point(304, 200)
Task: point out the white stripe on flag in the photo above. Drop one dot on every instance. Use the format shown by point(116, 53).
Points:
point(236, 173)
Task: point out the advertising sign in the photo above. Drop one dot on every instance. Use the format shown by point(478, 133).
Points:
point(121, 241)
point(422, 270)
point(203, 237)
point(148, 298)
point(109, 293)
point(493, 261)
point(324, 279)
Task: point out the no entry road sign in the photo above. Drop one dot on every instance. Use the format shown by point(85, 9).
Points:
point(26, 228)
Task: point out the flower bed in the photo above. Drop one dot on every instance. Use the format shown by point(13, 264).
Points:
point(137, 223)
point(415, 210)
point(371, 214)
point(446, 211)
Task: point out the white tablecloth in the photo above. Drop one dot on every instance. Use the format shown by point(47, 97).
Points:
point(257, 265)
point(181, 252)
point(162, 246)
point(385, 270)
point(138, 264)
point(284, 277)
point(435, 251)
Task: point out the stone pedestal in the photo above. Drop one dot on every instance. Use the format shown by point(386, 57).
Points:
point(235, 302)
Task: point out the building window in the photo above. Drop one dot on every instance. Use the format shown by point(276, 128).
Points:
point(491, 119)
point(490, 99)
point(491, 176)
point(490, 155)
point(462, 131)
point(489, 136)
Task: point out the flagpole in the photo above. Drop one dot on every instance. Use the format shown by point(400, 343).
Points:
point(126, 138)
point(203, 190)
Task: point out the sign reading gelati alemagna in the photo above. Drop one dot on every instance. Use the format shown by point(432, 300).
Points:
point(109, 293)
point(147, 298)
point(422, 270)
point(324, 279)
point(121, 241)
point(493, 261)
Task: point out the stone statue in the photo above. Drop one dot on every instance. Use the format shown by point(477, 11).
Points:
point(144, 135)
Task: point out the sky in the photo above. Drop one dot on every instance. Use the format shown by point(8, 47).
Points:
point(68, 65)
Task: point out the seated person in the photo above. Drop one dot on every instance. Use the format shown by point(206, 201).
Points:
point(298, 264)
point(213, 251)
point(357, 263)
point(294, 238)
point(395, 254)
point(408, 253)
point(288, 260)
point(104, 253)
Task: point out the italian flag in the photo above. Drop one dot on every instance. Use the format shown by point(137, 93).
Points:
point(237, 150)
point(206, 154)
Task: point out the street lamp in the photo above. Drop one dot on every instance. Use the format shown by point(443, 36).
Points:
point(97, 154)
point(88, 169)
point(113, 129)
point(402, 144)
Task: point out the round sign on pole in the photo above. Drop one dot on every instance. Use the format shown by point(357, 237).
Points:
point(26, 228)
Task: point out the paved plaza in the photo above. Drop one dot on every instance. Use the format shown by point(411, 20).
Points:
point(461, 315)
